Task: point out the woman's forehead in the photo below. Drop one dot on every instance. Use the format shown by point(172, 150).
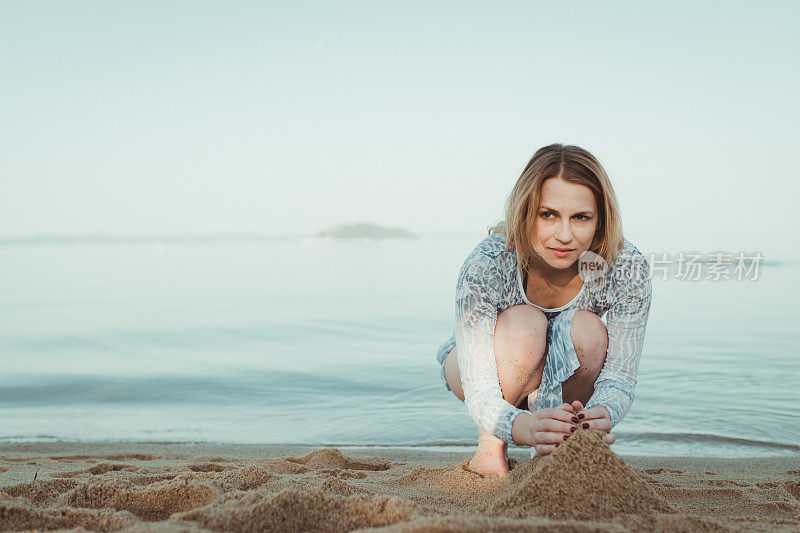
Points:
point(560, 194)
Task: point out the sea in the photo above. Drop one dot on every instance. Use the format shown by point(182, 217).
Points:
point(285, 339)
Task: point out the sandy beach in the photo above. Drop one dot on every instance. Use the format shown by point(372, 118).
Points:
point(582, 486)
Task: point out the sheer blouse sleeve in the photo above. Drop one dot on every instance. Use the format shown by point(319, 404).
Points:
point(477, 293)
point(626, 322)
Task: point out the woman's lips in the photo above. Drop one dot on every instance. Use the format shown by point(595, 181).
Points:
point(559, 253)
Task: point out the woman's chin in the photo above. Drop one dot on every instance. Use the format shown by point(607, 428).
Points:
point(561, 264)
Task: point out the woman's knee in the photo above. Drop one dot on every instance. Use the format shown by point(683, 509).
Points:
point(521, 335)
point(520, 341)
point(590, 338)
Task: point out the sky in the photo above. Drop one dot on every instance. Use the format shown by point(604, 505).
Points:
point(289, 117)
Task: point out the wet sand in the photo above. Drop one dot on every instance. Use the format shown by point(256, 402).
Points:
point(582, 486)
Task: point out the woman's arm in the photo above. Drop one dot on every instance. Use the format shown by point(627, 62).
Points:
point(626, 322)
point(477, 294)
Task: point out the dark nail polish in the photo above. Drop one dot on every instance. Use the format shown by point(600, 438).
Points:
point(575, 419)
point(557, 443)
point(581, 415)
point(585, 425)
point(566, 437)
point(572, 429)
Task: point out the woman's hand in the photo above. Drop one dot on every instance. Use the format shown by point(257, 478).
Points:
point(552, 426)
point(546, 429)
point(597, 417)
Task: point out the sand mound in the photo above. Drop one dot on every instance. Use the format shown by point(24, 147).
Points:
point(310, 510)
point(154, 502)
point(41, 493)
point(18, 514)
point(103, 468)
point(333, 458)
point(334, 485)
point(281, 466)
point(233, 479)
point(98, 470)
point(149, 479)
point(245, 478)
point(454, 481)
point(582, 479)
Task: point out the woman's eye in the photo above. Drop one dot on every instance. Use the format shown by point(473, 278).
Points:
point(547, 214)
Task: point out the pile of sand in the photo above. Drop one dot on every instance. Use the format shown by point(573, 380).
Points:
point(18, 514)
point(582, 479)
point(310, 510)
point(154, 502)
point(333, 458)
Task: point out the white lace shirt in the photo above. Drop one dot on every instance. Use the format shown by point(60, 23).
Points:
point(489, 282)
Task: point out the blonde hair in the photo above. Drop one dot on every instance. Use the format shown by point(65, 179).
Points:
point(575, 165)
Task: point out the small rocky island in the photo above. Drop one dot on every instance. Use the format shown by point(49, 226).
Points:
point(361, 232)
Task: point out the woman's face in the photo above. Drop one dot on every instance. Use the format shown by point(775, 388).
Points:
point(566, 220)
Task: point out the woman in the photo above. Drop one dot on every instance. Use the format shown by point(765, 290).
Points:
point(528, 331)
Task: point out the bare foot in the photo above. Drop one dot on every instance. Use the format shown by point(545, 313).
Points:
point(489, 464)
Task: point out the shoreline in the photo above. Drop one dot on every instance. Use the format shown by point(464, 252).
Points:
point(109, 486)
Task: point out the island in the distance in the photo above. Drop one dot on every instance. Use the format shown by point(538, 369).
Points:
point(360, 232)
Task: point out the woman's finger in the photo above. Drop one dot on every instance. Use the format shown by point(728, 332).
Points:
point(596, 411)
point(556, 413)
point(576, 406)
point(609, 438)
point(603, 424)
point(548, 424)
point(544, 449)
point(549, 437)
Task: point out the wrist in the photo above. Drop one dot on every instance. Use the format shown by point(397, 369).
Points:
point(521, 429)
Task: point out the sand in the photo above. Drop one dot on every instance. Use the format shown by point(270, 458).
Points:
point(582, 486)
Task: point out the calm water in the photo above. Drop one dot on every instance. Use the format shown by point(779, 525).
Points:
point(333, 344)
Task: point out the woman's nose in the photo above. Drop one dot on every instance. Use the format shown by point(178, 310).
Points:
point(564, 232)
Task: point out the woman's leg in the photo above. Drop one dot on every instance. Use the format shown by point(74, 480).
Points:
point(520, 345)
point(590, 338)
